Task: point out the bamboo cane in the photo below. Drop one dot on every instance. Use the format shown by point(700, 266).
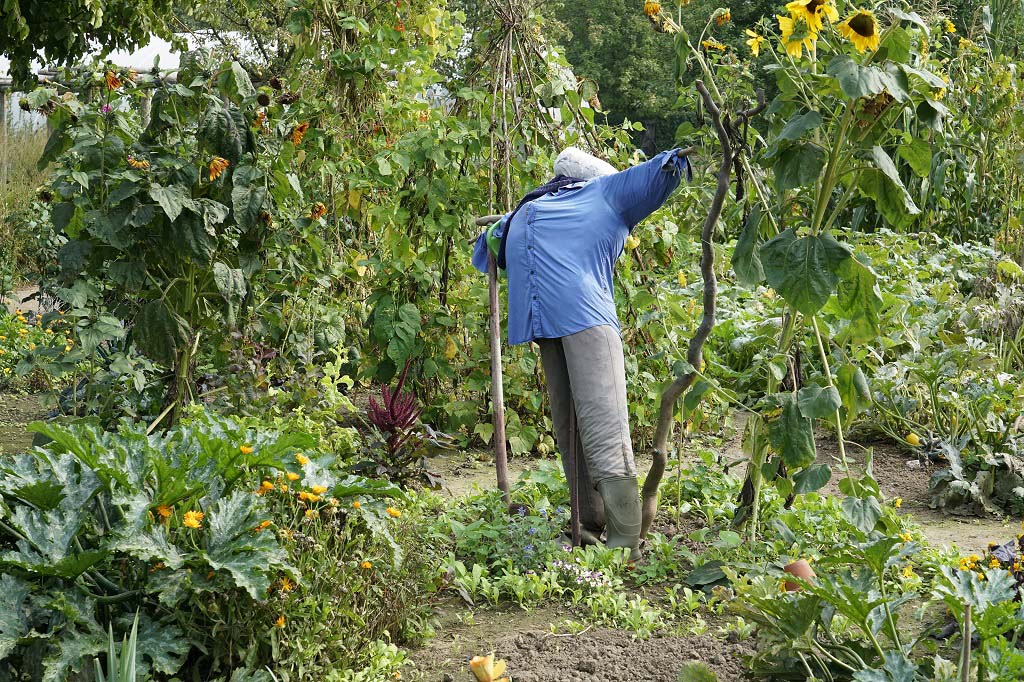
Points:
point(574, 481)
point(497, 388)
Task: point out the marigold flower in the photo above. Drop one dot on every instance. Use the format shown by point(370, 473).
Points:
point(299, 132)
point(302, 460)
point(286, 584)
point(357, 504)
point(263, 526)
point(217, 166)
point(393, 513)
point(993, 563)
point(304, 496)
point(908, 571)
point(366, 565)
point(292, 476)
point(898, 502)
point(949, 26)
point(318, 212)
point(906, 537)
point(163, 511)
point(245, 449)
point(113, 82)
point(319, 489)
point(193, 519)
point(267, 486)
point(279, 623)
point(312, 513)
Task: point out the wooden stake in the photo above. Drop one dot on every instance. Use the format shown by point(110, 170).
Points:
point(574, 481)
point(497, 388)
point(965, 652)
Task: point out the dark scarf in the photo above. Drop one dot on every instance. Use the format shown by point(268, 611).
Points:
point(554, 185)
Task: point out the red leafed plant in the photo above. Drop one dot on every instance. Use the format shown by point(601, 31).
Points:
point(395, 415)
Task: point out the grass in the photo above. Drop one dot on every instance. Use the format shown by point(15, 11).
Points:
point(20, 149)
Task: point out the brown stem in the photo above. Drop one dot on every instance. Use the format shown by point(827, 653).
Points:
point(679, 385)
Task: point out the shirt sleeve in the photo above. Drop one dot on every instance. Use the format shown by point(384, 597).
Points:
point(637, 192)
point(480, 248)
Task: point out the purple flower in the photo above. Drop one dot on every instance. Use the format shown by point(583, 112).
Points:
point(106, 108)
point(528, 548)
point(521, 511)
point(531, 531)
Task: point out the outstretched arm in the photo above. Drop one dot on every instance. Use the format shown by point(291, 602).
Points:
point(638, 191)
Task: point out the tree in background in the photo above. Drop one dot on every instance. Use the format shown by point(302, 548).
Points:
point(63, 32)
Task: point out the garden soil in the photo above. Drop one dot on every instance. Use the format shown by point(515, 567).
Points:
point(16, 411)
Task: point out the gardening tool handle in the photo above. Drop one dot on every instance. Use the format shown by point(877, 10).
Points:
point(574, 480)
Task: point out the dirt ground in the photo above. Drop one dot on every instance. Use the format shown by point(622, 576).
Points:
point(16, 411)
point(534, 653)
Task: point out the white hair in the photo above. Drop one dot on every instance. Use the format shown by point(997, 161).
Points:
point(576, 163)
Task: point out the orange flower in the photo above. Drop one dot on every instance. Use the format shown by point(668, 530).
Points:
point(217, 166)
point(193, 519)
point(245, 449)
point(292, 476)
point(302, 460)
point(279, 623)
point(140, 164)
point(260, 120)
point(357, 504)
point(299, 132)
point(263, 526)
point(286, 585)
point(318, 212)
point(163, 511)
point(366, 565)
point(400, 27)
point(319, 489)
point(267, 486)
point(393, 513)
point(113, 82)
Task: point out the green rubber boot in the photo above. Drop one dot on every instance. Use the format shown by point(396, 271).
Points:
point(622, 510)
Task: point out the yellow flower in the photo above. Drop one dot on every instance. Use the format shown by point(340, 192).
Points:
point(292, 476)
point(193, 519)
point(312, 513)
point(302, 460)
point(712, 44)
point(652, 8)
point(299, 132)
point(263, 526)
point(267, 486)
point(393, 513)
point(914, 439)
point(163, 511)
point(140, 164)
point(318, 212)
point(279, 623)
point(357, 504)
point(949, 26)
point(366, 565)
point(245, 449)
point(796, 35)
point(755, 42)
point(812, 11)
point(487, 669)
point(861, 29)
point(681, 278)
point(632, 242)
point(304, 496)
point(966, 43)
point(113, 82)
point(993, 563)
point(906, 537)
point(286, 584)
point(319, 489)
point(908, 571)
point(898, 502)
point(217, 166)
point(722, 15)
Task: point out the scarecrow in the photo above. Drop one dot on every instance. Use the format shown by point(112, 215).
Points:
point(558, 248)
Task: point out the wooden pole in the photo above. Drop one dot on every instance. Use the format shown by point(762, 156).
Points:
point(574, 480)
point(497, 387)
point(965, 651)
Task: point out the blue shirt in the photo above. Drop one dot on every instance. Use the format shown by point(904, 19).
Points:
point(563, 246)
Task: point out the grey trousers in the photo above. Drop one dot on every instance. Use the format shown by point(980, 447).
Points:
point(588, 369)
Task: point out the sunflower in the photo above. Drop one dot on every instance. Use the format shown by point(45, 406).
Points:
point(755, 42)
point(651, 8)
point(812, 12)
point(722, 16)
point(861, 29)
point(217, 166)
point(113, 82)
point(796, 35)
point(318, 212)
point(299, 132)
point(140, 164)
point(712, 44)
